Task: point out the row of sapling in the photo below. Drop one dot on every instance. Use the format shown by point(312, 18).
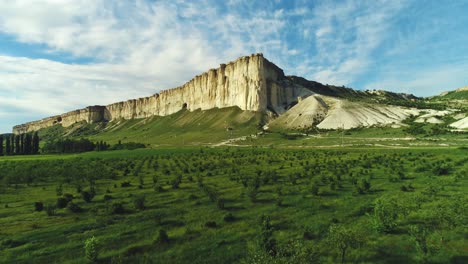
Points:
point(386, 214)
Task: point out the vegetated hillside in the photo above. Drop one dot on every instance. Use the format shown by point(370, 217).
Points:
point(458, 95)
point(181, 128)
point(225, 205)
point(219, 125)
point(332, 107)
point(452, 99)
point(377, 96)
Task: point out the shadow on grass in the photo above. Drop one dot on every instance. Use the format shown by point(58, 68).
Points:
point(459, 259)
point(173, 223)
point(383, 256)
point(264, 201)
point(234, 208)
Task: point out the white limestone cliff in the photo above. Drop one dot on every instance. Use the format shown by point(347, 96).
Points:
point(251, 83)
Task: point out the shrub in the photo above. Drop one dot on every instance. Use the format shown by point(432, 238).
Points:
point(68, 196)
point(50, 210)
point(252, 193)
point(62, 202)
point(107, 197)
point(59, 190)
point(155, 179)
point(200, 181)
point(279, 201)
point(125, 184)
point(158, 217)
point(87, 196)
point(266, 240)
point(342, 239)
point(38, 206)
point(365, 185)
point(386, 213)
point(220, 203)
point(139, 202)
point(158, 188)
point(117, 208)
point(229, 217)
point(176, 182)
point(210, 224)
point(91, 250)
point(74, 208)
point(162, 238)
point(314, 189)
point(308, 233)
point(441, 169)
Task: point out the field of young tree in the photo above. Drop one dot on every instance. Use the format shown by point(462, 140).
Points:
point(236, 205)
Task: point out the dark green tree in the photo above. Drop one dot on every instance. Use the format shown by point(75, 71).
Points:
point(22, 145)
point(17, 144)
point(266, 241)
point(1, 145)
point(7, 146)
point(12, 145)
point(342, 238)
point(387, 211)
point(27, 144)
point(35, 143)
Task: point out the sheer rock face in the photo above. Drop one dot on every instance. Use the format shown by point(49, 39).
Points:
point(252, 83)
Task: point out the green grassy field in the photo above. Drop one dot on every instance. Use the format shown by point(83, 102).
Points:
point(394, 205)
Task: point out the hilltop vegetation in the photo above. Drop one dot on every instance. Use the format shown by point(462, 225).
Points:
point(201, 205)
point(457, 99)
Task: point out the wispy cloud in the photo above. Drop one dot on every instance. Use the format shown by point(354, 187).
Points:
point(136, 48)
point(345, 36)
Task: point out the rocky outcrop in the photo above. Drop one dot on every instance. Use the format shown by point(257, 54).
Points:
point(89, 114)
point(251, 83)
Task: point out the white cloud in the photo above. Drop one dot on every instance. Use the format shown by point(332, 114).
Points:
point(140, 47)
point(346, 34)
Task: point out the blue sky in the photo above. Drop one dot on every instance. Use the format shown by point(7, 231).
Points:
point(57, 56)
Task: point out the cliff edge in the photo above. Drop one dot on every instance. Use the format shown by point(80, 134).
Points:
point(251, 83)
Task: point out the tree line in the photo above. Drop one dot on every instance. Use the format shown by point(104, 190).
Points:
point(85, 145)
point(74, 146)
point(23, 144)
point(28, 144)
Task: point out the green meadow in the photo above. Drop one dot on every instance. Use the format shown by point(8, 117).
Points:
point(237, 205)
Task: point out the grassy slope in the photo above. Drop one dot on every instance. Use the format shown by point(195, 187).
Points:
point(460, 95)
point(182, 212)
point(454, 99)
point(182, 128)
point(208, 127)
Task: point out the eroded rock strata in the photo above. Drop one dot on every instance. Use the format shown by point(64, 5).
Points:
point(252, 83)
